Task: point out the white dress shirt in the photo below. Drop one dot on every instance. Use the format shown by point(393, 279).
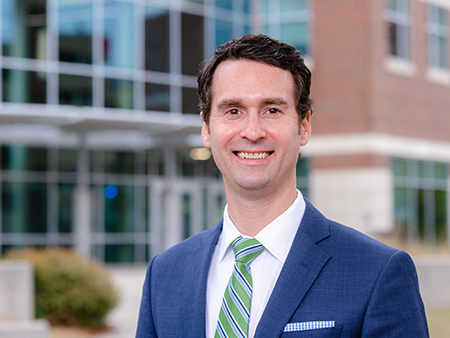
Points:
point(277, 238)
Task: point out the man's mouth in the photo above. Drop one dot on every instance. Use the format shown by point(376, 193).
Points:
point(252, 156)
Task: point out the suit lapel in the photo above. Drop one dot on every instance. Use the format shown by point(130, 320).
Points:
point(195, 276)
point(301, 268)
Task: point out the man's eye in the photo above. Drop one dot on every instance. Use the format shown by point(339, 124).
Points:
point(233, 112)
point(273, 111)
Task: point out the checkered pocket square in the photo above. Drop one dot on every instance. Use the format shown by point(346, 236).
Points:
point(304, 326)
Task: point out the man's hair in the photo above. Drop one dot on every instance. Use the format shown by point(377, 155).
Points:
point(263, 49)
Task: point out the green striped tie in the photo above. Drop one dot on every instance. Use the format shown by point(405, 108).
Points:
point(235, 312)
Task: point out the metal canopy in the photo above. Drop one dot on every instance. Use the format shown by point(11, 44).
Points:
point(91, 119)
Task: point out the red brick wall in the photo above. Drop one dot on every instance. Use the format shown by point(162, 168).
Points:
point(352, 89)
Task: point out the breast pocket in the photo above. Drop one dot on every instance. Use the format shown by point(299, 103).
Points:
point(334, 332)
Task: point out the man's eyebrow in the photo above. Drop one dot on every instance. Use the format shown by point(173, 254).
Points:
point(278, 101)
point(229, 103)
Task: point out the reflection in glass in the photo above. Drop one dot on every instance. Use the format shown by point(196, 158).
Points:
point(190, 100)
point(118, 93)
point(119, 253)
point(119, 33)
point(289, 6)
point(157, 97)
point(187, 209)
point(75, 31)
point(192, 43)
point(224, 31)
point(119, 162)
point(226, 4)
point(21, 86)
point(24, 28)
point(440, 199)
point(65, 207)
point(67, 160)
point(295, 34)
point(119, 211)
point(75, 90)
point(24, 207)
point(18, 157)
point(154, 162)
point(157, 39)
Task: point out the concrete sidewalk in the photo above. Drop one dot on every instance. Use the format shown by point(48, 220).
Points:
point(433, 271)
point(123, 318)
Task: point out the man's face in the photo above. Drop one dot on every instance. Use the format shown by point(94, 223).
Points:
point(254, 131)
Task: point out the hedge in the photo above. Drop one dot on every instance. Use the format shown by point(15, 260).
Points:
point(70, 290)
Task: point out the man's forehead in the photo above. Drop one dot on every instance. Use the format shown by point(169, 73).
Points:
point(237, 72)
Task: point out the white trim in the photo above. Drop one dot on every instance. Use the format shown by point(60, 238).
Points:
point(378, 144)
point(440, 3)
point(438, 76)
point(400, 67)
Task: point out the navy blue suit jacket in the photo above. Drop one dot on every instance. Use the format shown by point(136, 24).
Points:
point(332, 273)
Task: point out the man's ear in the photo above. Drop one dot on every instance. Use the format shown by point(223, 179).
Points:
point(205, 133)
point(305, 129)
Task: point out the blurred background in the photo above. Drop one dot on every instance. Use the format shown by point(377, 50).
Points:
point(100, 131)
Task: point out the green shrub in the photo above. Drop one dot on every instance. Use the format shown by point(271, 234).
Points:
point(70, 290)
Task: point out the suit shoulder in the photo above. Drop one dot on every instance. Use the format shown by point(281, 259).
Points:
point(349, 242)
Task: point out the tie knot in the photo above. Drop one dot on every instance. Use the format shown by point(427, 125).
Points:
point(246, 249)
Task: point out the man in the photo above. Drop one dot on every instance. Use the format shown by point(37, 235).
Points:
point(307, 275)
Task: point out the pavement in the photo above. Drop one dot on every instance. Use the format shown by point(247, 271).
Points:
point(123, 318)
point(433, 272)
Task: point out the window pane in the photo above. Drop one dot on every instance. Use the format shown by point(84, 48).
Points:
point(118, 93)
point(296, 34)
point(75, 31)
point(186, 215)
point(118, 44)
point(157, 97)
point(119, 211)
point(119, 253)
point(190, 101)
point(154, 162)
point(400, 167)
point(75, 90)
point(21, 86)
point(441, 215)
point(224, 31)
point(192, 43)
point(119, 162)
point(65, 207)
point(157, 39)
point(441, 171)
point(19, 157)
point(442, 62)
point(401, 209)
point(392, 28)
point(67, 160)
point(24, 28)
point(226, 4)
point(293, 5)
point(24, 207)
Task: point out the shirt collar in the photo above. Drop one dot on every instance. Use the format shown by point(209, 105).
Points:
point(277, 237)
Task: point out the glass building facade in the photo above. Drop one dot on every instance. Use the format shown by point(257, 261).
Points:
point(99, 119)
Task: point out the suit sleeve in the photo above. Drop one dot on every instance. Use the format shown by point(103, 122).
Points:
point(395, 308)
point(145, 325)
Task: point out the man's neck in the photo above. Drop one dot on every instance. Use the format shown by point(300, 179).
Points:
point(252, 212)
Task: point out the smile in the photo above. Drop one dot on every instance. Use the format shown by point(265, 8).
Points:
point(252, 156)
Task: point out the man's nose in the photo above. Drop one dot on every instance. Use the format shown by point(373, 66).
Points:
point(253, 128)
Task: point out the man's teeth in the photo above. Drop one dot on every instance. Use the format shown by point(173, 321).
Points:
point(252, 155)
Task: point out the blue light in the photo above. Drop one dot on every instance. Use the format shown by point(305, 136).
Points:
point(110, 191)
